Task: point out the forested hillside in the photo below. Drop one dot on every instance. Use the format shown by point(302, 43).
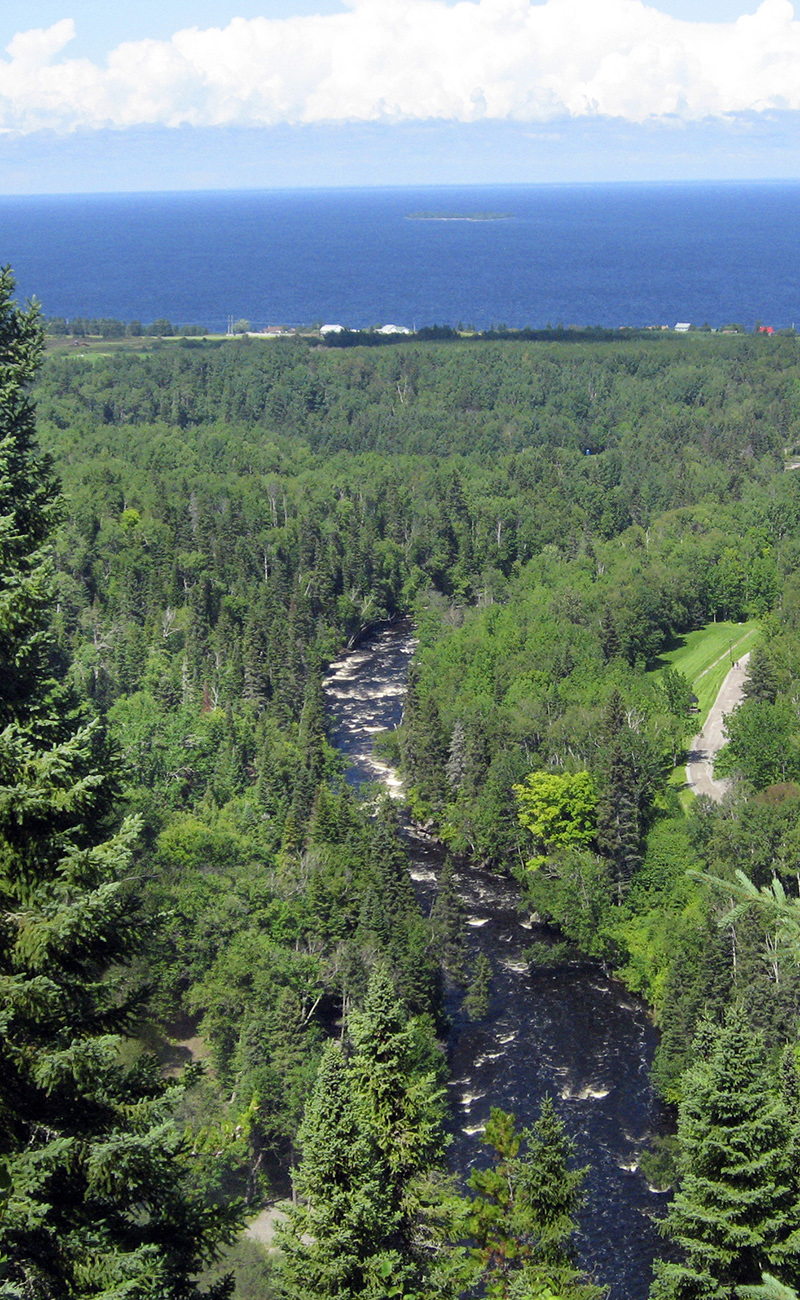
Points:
point(554, 517)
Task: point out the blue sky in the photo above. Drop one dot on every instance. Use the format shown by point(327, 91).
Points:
point(101, 25)
point(206, 94)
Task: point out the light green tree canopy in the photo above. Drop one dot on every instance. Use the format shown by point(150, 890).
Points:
point(558, 809)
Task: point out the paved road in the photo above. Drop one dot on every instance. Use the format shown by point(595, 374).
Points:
point(706, 745)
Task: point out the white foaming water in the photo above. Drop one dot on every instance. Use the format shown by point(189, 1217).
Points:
point(365, 690)
point(584, 1094)
point(349, 668)
point(517, 967)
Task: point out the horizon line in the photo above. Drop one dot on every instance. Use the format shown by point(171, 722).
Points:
point(691, 182)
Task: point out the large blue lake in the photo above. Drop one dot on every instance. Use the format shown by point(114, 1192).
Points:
point(572, 254)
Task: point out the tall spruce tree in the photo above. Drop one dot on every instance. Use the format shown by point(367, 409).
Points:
point(425, 747)
point(522, 1218)
point(398, 1084)
point(340, 1240)
point(371, 1218)
point(448, 926)
point(736, 1213)
point(619, 828)
point(93, 1189)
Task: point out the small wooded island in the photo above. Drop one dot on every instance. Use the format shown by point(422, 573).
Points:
point(219, 985)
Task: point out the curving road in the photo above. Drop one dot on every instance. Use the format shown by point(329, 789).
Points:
point(707, 744)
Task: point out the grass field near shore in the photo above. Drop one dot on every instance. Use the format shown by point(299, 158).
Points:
point(705, 657)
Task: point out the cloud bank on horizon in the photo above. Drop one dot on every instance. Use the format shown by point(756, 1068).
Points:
point(406, 60)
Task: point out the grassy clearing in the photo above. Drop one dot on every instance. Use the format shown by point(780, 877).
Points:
point(66, 346)
point(94, 346)
point(705, 656)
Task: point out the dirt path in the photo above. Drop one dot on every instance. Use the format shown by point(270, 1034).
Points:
point(262, 1227)
point(705, 746)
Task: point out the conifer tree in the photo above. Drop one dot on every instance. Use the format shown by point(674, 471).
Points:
point(456, 765)
point(629, 770)
point(338, 1241)
point(425, 747)
point(736, 1212)
point(618, 822)
point(762, 681)
point(448, 926)
point(95, 1201)
point(400, 1097)
point(476, 1002)
point(522, 1219)
point(770, 1288)
point(551, 1189)
point(370, 1205)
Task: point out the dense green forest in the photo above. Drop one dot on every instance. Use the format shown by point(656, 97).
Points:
point(554, 517)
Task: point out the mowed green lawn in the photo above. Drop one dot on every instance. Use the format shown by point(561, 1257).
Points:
point(705, 656)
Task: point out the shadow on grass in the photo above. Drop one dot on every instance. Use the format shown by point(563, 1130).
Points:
point(674, 643)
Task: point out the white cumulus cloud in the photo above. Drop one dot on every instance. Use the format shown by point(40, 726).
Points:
point(396, 60)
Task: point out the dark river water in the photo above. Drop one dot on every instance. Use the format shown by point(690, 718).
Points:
point(572, 1034)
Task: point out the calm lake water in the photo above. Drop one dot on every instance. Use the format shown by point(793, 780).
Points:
point(606, 255)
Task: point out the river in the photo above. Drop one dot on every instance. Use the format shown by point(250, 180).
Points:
point(573, 1034)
